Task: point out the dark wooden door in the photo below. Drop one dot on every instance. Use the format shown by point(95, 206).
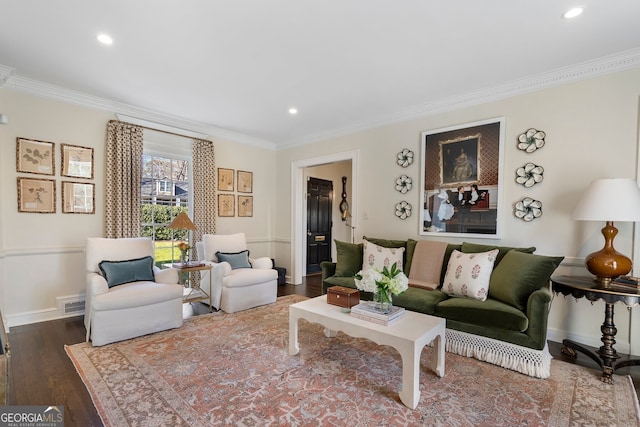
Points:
point(319, 222)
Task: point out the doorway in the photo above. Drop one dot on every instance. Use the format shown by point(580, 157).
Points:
point(319, 222)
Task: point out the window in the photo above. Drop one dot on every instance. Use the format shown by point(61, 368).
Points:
point(166, 189)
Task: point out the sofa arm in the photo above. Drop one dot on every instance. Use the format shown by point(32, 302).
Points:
point(263, 263)
point(328, 269)
point(96, 284)
point(168, 276)
point(538, 314)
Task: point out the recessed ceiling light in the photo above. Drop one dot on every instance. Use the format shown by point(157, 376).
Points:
point(104, 38)
point(293, 111)
point(572, 13)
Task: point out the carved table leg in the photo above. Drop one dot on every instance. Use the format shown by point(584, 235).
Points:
point(607, 353)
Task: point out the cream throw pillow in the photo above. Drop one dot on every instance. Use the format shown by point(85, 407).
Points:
point(378, 257)
point(468, 275)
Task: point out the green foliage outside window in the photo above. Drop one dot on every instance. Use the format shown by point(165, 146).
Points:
point(161, 216)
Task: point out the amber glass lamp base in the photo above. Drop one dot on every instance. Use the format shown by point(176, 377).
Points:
point(607, 263)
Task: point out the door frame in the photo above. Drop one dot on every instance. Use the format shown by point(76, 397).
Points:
point(299, 205)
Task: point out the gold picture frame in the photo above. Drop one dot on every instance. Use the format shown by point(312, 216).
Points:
point(36, 195)
point(34, 156)
point(245, 182)
point(245, 206)
point(226, 205)
point(77, 161)
point(225, 179)
point(78, 197)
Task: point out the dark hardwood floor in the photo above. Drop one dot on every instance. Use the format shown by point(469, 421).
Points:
point(42, 374)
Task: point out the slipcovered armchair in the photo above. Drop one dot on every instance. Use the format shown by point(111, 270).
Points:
point(127, 295)
point(239, 282)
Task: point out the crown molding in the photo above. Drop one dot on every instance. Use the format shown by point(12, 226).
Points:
point(601, 66)
point(58, 93)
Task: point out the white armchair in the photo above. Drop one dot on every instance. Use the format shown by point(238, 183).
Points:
point(237, 289)
point(134, 308)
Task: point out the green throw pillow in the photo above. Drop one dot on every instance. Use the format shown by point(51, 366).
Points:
point(471, 248)
point(235, 259)
point(519, 275)
point(348, 259)
point(132, 270)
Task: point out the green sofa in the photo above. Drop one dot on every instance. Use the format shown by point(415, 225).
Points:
point(508, 329)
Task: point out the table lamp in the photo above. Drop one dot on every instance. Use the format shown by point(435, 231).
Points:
point(609, 200)
point(182, 222)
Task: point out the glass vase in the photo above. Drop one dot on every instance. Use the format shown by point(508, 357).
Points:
point(383, 301)
point(184, 257)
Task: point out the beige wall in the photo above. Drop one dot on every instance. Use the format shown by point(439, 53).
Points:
point(41, 255)
point(592, 132)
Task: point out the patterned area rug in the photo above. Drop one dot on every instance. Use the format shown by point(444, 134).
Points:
point(234, 369)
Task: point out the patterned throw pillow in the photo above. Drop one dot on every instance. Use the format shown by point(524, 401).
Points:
point(468, 275)
point(378, 257)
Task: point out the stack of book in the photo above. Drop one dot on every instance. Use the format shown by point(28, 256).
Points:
point(367, 311)
point(628, 282)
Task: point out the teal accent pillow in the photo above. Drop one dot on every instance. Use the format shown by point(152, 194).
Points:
point(519, 275)
point(235, 259)
point(133, 270)
point(471, 248)
point(348, 258)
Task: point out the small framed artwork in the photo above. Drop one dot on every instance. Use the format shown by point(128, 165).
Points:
point(77, 161)
point(35, 156)
point(225, 179)
point(461, 173)
point(245, 182)
point(36, 195)
point(226, 205)
point(245, 205)
point(78, 197)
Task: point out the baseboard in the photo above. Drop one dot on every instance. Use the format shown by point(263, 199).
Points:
point(30, 317)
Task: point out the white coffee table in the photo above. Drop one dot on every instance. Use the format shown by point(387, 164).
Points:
point(408, 335)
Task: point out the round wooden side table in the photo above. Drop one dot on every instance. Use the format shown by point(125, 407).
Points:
point(585, 287)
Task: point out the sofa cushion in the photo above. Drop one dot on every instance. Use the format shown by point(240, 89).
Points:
point(468, 275)
point(420, 300)
point(132, 270)
point(490, 313)
point(347, 282)
point(348, 258)
point(242, 277)
point(520, 274)
point(392, 243)
point(137, 294)
point(377, 257)
point(502, 250)
point(235, 259)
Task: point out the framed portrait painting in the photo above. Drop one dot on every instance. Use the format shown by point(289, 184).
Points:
point(35, 156)
point(36, 195)
point(461, 170)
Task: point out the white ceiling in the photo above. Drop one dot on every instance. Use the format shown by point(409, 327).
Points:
point(238, 66)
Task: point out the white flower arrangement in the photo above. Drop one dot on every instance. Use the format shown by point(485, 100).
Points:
point(374, 280)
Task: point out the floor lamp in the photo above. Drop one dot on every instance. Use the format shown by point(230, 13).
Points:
point(609, 200)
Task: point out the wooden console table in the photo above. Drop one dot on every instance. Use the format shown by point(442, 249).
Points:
point(606, 356)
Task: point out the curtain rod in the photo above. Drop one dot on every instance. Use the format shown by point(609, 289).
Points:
point(155, 130)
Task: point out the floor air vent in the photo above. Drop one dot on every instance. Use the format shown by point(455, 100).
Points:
point(71, 305)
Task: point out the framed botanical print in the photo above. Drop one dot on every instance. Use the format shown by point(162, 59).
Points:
point(225, 179)
point(245, 182)
point(78, 197)
point(461, 172)
point(226, 205)
point(77, 161)
point(245, 205)
point(35, 156)
point(36, 195)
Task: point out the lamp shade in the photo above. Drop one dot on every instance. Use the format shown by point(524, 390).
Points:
point(182, 222)
point(614, 199)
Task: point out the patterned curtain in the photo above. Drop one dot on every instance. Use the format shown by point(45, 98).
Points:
point(205, 206)
point(122, 180)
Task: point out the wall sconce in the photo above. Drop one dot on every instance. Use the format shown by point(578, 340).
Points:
point(344, 205)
